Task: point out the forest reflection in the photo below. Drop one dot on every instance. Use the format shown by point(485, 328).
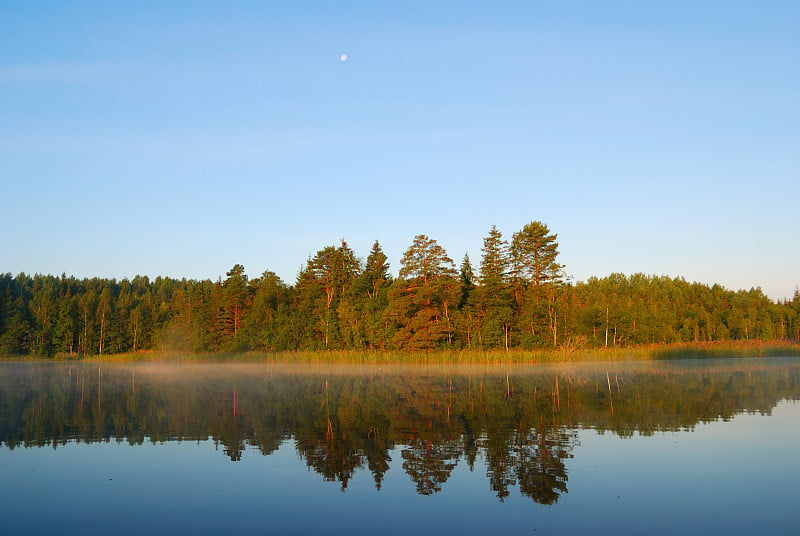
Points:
point(520, 423)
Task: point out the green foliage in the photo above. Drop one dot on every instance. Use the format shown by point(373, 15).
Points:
point(425, 259)
point(520, 300)
point(266, 323)
point(367, 301)
point(492, 300)
point(536, 276)
point(320, 289)
point(423, 300)
point(534, 252)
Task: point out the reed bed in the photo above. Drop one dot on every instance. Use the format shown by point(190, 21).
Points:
point(724, 349)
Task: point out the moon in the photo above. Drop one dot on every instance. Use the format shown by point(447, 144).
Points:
point(343, 57)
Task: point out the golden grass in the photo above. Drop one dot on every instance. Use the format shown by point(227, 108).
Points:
point(474, 356)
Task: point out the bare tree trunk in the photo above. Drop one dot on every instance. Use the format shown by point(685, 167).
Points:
point(102, 330)
point(85, 330)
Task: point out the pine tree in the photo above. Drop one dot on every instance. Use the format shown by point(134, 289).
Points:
point(236, 298)
point(536, 274)
point(424, 260)
point(534, 253)
point(320, 287)
point(422, 301)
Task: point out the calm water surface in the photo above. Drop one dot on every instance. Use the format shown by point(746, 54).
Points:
point(698, 447)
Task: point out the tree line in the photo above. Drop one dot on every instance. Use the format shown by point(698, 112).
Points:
point(519, 297)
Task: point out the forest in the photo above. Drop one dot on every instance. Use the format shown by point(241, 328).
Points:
point(519, 297)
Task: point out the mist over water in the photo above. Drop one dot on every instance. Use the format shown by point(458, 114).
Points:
point(345, 449)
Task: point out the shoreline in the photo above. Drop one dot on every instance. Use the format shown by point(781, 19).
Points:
point(719, 349)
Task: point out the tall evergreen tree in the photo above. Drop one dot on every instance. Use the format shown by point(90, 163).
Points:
point(320, 287)
point(467, 279)
point(43, 310)
point(236, 297)
point(266, 321)
point(536, 273)
point(466, 319)
point(64, 333)
point(368, 300)
point(493, 299)
point(534, 254)
point(422, 301)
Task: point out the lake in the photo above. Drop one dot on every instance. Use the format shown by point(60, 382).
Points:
point(665, 447)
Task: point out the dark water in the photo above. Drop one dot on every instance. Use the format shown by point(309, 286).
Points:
point(697, 447)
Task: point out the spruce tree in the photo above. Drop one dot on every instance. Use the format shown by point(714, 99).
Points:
point(493, 298)
point(368, 300)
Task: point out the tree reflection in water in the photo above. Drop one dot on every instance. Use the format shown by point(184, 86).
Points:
point(523, 423)
point(430, 465)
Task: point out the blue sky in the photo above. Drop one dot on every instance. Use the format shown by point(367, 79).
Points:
point(180, 138)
